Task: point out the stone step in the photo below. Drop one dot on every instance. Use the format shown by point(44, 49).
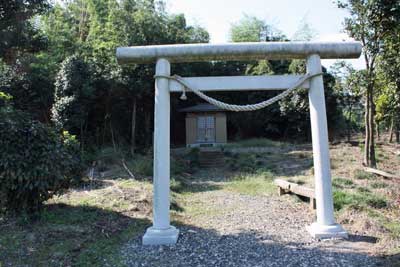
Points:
point(211, 159)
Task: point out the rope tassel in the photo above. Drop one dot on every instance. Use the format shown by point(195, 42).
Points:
point(183, 95)
point(237, 108)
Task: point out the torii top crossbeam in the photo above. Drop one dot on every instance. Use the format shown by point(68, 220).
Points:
point(237, 51)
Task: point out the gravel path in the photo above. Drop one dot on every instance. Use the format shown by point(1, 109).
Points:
point(249, 231)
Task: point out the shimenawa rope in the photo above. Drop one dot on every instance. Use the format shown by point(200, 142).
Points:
point(237, 108)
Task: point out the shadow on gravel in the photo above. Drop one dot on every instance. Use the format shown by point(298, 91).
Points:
point(362, 238)
point(66, 235)
point(194, 187)
point(206, 247)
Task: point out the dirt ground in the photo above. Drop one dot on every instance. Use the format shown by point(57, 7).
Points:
point(231, 216)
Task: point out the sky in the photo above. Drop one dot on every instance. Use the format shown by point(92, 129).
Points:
point(217, 16)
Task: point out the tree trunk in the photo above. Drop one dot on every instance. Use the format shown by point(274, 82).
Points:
point(349, 124)
point(367, 136)
point(112, 137)
point(396, 117)
point(133, 127)
point(372, 160)
point(82, 137)
point(391, 130)
point(147, 126)
point(369, 155)
point(378, 136)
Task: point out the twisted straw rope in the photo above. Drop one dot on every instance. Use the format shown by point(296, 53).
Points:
point(238, 108)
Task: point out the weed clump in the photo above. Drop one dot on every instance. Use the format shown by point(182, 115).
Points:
point(357, 200)
point(363, 175)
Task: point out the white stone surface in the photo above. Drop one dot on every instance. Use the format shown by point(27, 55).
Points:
point(154, 236)
point(319, 231)
point(242, 83)
point(161, 232)
point(322, 167)
point(237, 51)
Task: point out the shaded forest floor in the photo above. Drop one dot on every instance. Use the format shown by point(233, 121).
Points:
point(101, 222)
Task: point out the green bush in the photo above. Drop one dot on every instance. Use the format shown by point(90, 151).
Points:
point(245, 162)
point(193, 157)
point(143, 165)
point(35, 162)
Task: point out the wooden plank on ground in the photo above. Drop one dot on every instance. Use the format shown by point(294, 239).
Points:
point(289, 187)
point(381, 173)
point(295, 188)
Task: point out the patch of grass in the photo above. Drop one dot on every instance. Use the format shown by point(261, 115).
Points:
point(252, 184)
point(363, 190)
point(132, 184)
point(83, 228)
point(380, 155)
point(335, 164)
point(363, 175)
point(68, 236)
point(357, 200)
point(246, 162)
point(107, 248)
point(377, 185)
point(342, 182)
point(142, 165)
point(256, 142)
point(393, 227)
point(361, 145)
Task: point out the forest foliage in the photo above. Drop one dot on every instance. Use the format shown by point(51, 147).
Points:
point(58, 67)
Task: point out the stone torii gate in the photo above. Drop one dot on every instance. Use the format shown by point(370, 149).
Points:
point(162, 232)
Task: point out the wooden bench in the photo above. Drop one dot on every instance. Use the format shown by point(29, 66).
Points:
point(285, 187)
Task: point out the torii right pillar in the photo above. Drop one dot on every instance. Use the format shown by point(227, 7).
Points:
point(325, 226)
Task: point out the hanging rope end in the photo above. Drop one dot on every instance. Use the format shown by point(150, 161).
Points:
point(183, 96)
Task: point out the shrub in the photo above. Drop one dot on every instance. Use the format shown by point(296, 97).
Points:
point(193, 157)
point(35, 162)
point(143, 165)
point(245, 162)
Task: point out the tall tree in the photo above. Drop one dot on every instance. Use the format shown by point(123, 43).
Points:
point(370, 22)
point(349, 86)
point(389, 65)
point(72, 96)
point(17, 31)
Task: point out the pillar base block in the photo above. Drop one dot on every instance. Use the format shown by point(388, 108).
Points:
point(320, 231)
point(155, 236)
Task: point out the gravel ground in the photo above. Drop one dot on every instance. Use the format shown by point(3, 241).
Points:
point(250, 231)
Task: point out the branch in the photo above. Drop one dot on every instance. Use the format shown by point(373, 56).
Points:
point(127, 169)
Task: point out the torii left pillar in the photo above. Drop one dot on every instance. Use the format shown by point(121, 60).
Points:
point(162, 232)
